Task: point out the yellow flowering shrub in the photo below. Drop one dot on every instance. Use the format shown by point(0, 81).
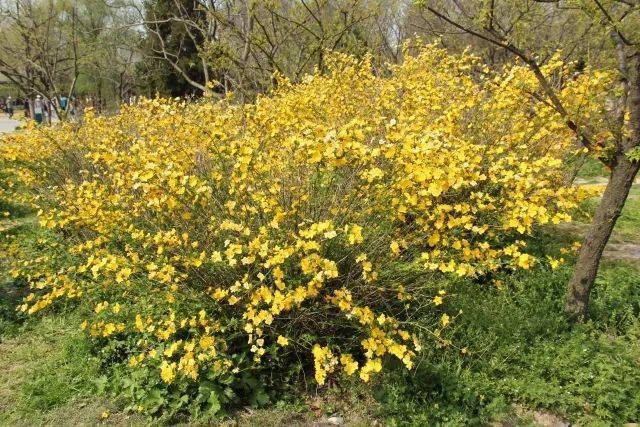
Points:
point(211, 240)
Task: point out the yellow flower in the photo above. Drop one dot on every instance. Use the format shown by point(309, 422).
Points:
point(350, 365)
point(109, 329)
point(206, 342)
point(216, 256)
point(282, 341)
point(167, 372)
point(525, 261)
point(330, 234)
point(101, 306)
point(354, 234)
point(445, 320)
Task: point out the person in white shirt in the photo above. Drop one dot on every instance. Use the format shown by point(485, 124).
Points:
point(10, 107)
point(38, 109)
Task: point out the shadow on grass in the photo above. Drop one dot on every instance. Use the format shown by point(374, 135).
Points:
point(13, 290)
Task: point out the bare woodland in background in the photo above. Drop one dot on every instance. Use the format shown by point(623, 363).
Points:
point(110, 49)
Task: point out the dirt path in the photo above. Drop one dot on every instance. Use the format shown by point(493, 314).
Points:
point(625, 240)
point(622, 251)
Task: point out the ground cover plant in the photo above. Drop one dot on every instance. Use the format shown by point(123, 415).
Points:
point(218, 254)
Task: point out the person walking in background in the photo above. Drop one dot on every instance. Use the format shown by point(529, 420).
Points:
point(10, 107)
point(64, 102)
point(47, 110)
point(38, 109)
point(27, 108)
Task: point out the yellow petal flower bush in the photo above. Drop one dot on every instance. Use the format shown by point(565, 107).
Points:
point(219, 249)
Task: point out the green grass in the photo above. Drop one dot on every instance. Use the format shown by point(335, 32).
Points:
point(46, 366)
point(592, 168)
point(628, 225)
point(48, 376)
point(522, 350)
point(627, 228)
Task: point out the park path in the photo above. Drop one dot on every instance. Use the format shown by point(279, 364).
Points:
point(624, 243)
point(7, 125)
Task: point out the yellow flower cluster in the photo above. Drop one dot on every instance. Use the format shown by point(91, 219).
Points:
point(214, 235)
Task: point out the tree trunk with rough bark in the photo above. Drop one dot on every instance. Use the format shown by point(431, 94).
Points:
point(606, 215)
point(623, 173)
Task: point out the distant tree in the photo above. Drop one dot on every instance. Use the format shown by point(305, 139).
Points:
point(239, 44)
point(174, 47)
point(62, 48)
point(39, 50)
point(109, 43)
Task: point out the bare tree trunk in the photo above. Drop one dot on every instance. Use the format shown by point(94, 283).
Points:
point(606, 215)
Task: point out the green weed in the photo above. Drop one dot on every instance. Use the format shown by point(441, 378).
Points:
point(520, 349)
